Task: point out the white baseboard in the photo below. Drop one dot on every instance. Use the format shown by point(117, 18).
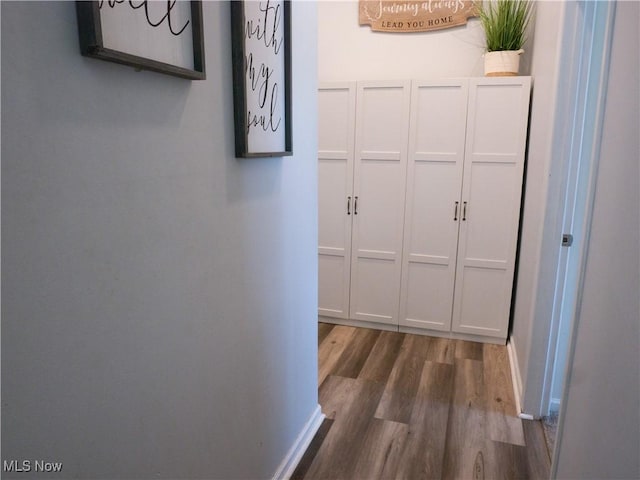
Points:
point(516, 378)
point(295, 453)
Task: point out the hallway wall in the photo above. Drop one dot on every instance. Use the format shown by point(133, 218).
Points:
point(533, 296)
point(599, 433)
point(158, 294)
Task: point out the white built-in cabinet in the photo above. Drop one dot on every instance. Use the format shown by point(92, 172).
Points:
point(362, 179)
point(419, 203)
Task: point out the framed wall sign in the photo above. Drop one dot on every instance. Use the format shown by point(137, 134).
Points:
point(408, 16)
point(165, 37)
point(261, 54)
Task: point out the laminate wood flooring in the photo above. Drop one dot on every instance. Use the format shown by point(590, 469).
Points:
point(401, 406)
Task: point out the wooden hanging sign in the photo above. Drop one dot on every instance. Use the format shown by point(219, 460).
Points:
point(414, 16)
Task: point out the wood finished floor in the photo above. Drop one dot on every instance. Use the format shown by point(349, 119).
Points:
point(407, 406)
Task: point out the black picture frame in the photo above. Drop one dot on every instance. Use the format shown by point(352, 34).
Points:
point(255, 135)
point(90, 30)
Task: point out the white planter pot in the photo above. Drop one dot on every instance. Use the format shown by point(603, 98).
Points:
point(502, 63)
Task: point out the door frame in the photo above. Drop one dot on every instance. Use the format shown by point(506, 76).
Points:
point(597, 21)
point(588, 35)
point(581, 84)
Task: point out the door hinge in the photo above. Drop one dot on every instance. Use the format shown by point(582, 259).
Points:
point(567, 239)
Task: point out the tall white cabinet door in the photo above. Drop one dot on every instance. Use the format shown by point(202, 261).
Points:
point(491, 194)
point(382, 119)
point(434, 179)
point(336, 119)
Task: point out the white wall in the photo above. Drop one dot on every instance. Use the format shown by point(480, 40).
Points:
point(348, 51)
point(158, 295)
point(529, 326)
point(600, 429)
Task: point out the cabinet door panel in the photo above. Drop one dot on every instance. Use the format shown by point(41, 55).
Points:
point(333, 282)
point(492, 211)
point(374, 299)
point(434, 179)
point(380, 187)
point(336, 114)
point(428, 297)
point(492, 187)
point(336, 117)
point(380, 178)
point(497, 117)
point(382, 118)
point(334, 225)
point(483, 295)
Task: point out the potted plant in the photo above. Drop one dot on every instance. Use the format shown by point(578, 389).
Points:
point(505, 25)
